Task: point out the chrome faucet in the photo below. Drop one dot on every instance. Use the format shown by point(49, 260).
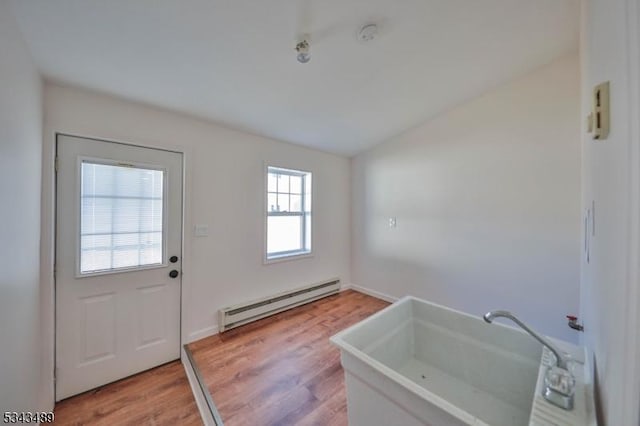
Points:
point(559, 382)
point(561, 360)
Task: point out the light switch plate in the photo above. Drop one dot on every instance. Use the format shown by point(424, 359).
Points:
point(201, 230)
point(392, 222)
point(601, 114)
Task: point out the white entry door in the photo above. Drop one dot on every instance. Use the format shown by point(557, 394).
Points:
point(118, 261)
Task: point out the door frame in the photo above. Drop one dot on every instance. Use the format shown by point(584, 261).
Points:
point(48, 249)
point(631, 414)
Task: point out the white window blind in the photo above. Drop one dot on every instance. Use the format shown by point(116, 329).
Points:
point(121, 217)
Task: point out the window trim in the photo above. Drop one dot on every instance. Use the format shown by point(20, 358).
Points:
point(78, 209)
point(291, 254)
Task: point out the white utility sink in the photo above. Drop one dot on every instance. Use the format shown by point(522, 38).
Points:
point(418, 363)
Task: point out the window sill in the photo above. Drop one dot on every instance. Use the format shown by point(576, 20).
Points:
point(287, 257)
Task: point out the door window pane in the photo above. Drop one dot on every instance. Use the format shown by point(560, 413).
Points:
point(121, 217)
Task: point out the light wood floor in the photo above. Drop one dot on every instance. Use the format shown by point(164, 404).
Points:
point(160, 396)
point(282, 370)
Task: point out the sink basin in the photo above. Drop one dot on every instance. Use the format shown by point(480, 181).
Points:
point(419, 363)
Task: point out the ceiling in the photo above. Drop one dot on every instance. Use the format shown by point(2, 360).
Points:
point(233, 61)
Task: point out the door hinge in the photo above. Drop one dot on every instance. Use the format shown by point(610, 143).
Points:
point(56, 164)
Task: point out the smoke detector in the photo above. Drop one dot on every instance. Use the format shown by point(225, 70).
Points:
point(367, 33)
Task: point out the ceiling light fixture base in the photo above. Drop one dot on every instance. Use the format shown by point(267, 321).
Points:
point(303, 51)
point(367, 33)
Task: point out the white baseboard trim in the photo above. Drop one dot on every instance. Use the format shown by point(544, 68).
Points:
point(373, 293)
point(213, 329)
point(344, 287)
point(202, 333)
point(201, 401)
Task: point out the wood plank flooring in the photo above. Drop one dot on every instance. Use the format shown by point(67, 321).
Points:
point(282, 370)
point(160, 396)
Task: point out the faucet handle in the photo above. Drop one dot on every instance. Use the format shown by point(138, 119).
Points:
point(560, 380)
point(559, 387)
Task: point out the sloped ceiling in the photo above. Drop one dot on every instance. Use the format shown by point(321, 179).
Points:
point(233, 61)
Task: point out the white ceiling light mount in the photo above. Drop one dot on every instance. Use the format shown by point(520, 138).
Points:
point(367, 33)
point(303, 51)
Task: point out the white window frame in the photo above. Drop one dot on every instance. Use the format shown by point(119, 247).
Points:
point(165, 218)
point(292, 254)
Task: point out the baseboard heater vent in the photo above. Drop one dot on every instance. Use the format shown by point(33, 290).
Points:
point(237, 315)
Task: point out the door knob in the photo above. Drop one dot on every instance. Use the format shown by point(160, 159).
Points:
point(173, 273)
point(173, 259)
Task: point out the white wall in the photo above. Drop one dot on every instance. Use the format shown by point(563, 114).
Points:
point(224, 190)
point(487, 201)
point(20, 168)
point(610, 292)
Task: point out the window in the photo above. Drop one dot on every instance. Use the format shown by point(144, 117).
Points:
point(288, 213)
point(121, 217)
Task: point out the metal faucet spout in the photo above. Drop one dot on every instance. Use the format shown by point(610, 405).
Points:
point(561, 360)
point(559, 382)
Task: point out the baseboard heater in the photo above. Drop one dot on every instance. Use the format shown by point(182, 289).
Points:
point(237, 315)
